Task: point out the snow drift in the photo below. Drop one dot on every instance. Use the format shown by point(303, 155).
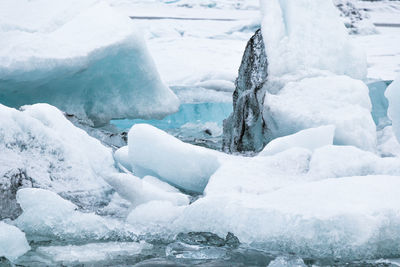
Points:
point(83, 57)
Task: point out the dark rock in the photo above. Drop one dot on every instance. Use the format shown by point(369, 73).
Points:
point(10, 182)
point(232, 241)
point(244, 129)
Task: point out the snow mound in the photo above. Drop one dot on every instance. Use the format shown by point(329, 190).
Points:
point(310, 139)
point(139, 191)
point(83, 57)
point(13, 243)
point(46, 214)
point(312, 102)
point(154, 152)
point(39, 147)
point(349, 217)
point(393, 95)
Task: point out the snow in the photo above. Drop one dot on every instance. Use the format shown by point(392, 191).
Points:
point(84, 57)
point(139, 191)
point(48, 215)
point(393, 95)
point(13, 243)
point(154, 152)
point(310, 139)
point(93, 252)
point(52, 153)
point(312, 102)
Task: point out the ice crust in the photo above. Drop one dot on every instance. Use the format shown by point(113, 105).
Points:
point(83, 57)
point(39, 145)
point(154, 152)
point(393, 95)
point(13, 243)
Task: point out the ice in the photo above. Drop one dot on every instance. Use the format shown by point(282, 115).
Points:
point(307, 36)
point(312, 102)
point(139, 191)
point(393, 95)
point(154, 213)
point(388, 145)
point(121, 157)
point(379, 103)
point(349, 217)
point(13, 243)
point(41, 148)
point(154, 152)
point(93, 252)
point(310, 139)
point(86, 58)
point(287, 262)
point(339, 161)
point(47, 215)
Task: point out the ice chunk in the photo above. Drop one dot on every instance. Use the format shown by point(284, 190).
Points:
point(83, 57)
point(186, 166)
point(139, 191)
point(388, 145)
point(310, 139)
point(259, 175)
point(339, 161)
point(307, 36)
point(154, 213)
point(13, 243)
point(39, 147)
point(93, 252)
point(393, 95)
point(349, 217)
point(121, 156)
point(337, 100)
point(46, 214)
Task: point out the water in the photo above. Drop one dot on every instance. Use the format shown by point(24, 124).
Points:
point(195, 123)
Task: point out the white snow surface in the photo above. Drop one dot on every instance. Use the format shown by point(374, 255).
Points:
point(84, 57)
point(54, 153)
point(13, 243)
point(310, 139)
point(393, 95)
point(154, 152)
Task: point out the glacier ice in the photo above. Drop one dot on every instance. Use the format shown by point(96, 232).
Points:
point(92, 252)
point(83, 57)
point(139, 191)
point(13, 243)
point(154, 152)
point(47, 215)
point(311, 139)
point(121, 156)
point(41, 148)
point(393, 95)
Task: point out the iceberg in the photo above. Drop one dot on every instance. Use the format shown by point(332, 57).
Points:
point(13, 243)
point(309, 139)
point(83, 57)
point(40, 148)
point(393, 95)
point(154, 152)
point(62, 220)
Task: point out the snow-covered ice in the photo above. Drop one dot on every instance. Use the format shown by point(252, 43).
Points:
point(92, 252)
point(84, 57)
point(13, 243)
point(310, 139)
point(39, 145)
point(393, 95)
point(47, 215)
point(139, 191)
point(154, 152)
